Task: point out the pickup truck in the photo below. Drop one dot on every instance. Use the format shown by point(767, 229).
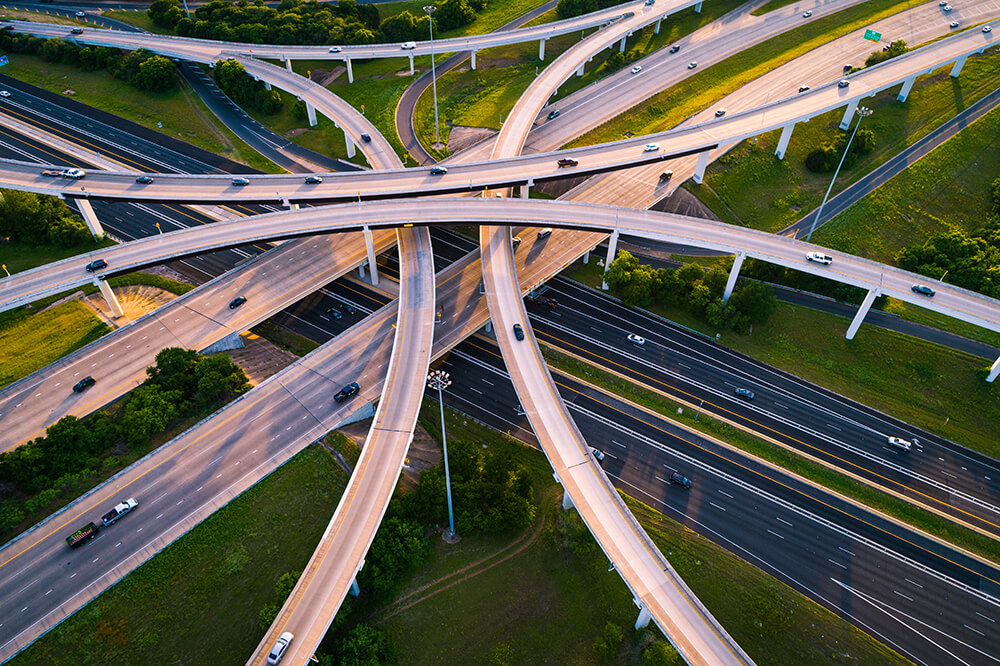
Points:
point(119, 511)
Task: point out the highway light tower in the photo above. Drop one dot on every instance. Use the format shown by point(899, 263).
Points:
point(440, 380)
point(430, 9)
point(863, 112)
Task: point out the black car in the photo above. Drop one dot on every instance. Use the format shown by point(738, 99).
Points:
point(335, 313)
point(76, 31)
point(313, 180)
point(518, 332)
point(666, 175)
point(349, 309)
point(346, 392)
point(680, 480)
point(240, 182)
point(84, 384)
point(567, 162)
point(554, 113)
point(675, 48)
point(923, 290)
point(438, 171)
point(515, 241)
point(96, 265)
point(746, 394)
point(366, 138)
point(144, 180)
point(237, 302)
point(550, 303)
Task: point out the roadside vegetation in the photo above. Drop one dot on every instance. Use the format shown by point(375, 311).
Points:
point(74, 455)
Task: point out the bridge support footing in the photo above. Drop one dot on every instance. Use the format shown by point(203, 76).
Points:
point(621, 45)
point(612, 250)
point(411, 64)
point(90, 217)
point(109, 296)
point(525, 192)
point(311, 112)
point(957, 68)
point(350, 70)
point(541, 49)
point(699, 169)
point(350, 144)
point(579, 71)
point(567, 502)
point(994, 371)
point(733, 275)
point(656, 30)
point(862, 312)
point(355, 590)
point(644, 615)
point(697, 8)
point(904, 92)
point(786, 136)
point(852, 106)
point(288, 64)
point(473, 60)
point(370, 247)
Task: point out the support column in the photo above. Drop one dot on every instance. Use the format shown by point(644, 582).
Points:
point(697, 8)
point(371, 256)
point(311, 112)
point(350, 144)
point(473, 60)
point(567, 501)
point(586, 257)
point(288, 64)
point(90, 217)
point(905, 90)
point(994, 371)
point(852, 106)
point(733, 274)
point(350, 70)
point(612, 250)
point(786, 135)
point(489, 326)
point(109, 296)
point(656, 30)
point(957, 68)
point(411, 64)
point(541, 49)
point(267, 85)
point(699, 169)
point(862, 311)
point(621, 44)
point(644, 616)
point(355, 590)
point(525, 192)
point(361, 271)
point(579, 72)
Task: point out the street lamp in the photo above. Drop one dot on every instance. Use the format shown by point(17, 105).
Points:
point(158, 228)
point(863, 112)
point(440, 380)
point(430, 9)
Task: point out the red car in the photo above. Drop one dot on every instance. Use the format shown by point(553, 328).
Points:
point(565, 162)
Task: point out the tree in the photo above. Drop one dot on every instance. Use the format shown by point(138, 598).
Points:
point(148, 412)
point(403, 27)
point(754, 299)
point(156, 74)
point(365, 646)
point(995, 196)
point(607, 644)
point(454, 14)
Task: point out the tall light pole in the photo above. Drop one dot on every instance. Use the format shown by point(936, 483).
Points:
point(440, 380)
point(430, 9)
point(863, 112)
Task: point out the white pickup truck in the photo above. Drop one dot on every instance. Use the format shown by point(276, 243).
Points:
point(119, 511)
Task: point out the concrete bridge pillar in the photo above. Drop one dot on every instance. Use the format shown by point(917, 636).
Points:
point(612, 250)
point(644, 615)
point(370, 247)
point(567, 502)
point(699, 169)
point(311, 112)
point(361, 271)
point(905, 90)
point(579, 71)
point(525, 192)
point(90, 217)
point(852, 106)
point(957, 68)
point(541, 49)
point(350, 70)
point(656, 30)
point(786, 135)
point(473, 60)
point(733, 275)
point(621, 44)
point(697, 8)
point(109, 296)
point(288, 64)
point(267, 85)
point(586, 257)
point(355, 590)
point(862, 312)
point(350, 144)
point(994, 371)
point(411, 64)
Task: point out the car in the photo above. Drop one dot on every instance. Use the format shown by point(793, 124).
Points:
point(900, 443)
point(680, 480)
point(942, 3)
point(553, 114)
point(335, 49)
point(848, 67)
point(549, 303)
point(4, 93)
point(720, 113)
point(84, 384)
point(819, 258)
point(518, 332)
point(886, 47)
point(545, 233)
point(666, 175)
point(947, 8)
point(650, 3)
point(96, 265)
point(923, 290)
point(346, 392)
point(514, 242)
point(240, 182)
point(335, 312)
point(803, 88)
point(76, 31)
point(80, 14)
point(75, 174)
point(637, 69)
point(746, 394)
point(987, 28)
point(144, 180)
point(279, 647)
point(651, 148)
point(637, 340)
point(366, 137)
point(407, 46)
point(597, 453)
point(806, 14)
point(692, 64)
point(52, 173)
point(349, 308)
point(953, 24)
point(313, 180)
point(843, 83)
point(567, 162)
point(675, 48)
point(237, 302)
point(438, 171)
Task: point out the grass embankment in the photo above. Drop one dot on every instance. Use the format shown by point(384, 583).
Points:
point(769, 194)
point(38, 16)
point(17, 256)
point(181, 112)
point(818, 473)
point(136, 17)
point(198, 600)
point(669, 107)
point(32, 341)
point(771, 6)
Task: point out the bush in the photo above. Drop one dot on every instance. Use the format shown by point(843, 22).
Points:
point(232, 78)
point(825, 158)
point(897, 48)
point(454, 14)
point(39, 219)
point(995, 196)
point(971, 261)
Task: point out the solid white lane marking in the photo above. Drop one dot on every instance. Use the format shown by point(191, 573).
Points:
point(781, 520)
point(985, 617)
point(717, 506)
point(902, 595)
point(837, 563)
point(845, 550)
point(27, 586)
point(158, 517)
point(911, 582)
point(776, 534)
point(723, 492)
point(975, 630)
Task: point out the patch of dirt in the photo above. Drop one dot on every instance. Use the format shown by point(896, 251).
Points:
point(424, 452)
point(326, 77)
point(136, 301)
point(295, 132)
point(462, 136)
point(259, 358)
point(683, 202)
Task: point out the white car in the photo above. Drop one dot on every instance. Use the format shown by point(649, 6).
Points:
point(637, 340)
point(948, 8)
point(806, 14)
point(4, 93)
point(987, 28)
point(80, 14)
point(334, 49)
point(953, 24)
point(278, 650)
point(692, 64)
point(651, 148)
point(720, 113)
point(406, 46)
point(637, 69)
point(819, 258)
point(900, 443)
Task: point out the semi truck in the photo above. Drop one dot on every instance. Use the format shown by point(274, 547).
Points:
point(120, 510)
point(82, 535)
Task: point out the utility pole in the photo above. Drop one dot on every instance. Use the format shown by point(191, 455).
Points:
point(440, 380)
point(430, 9)
point(863, 112)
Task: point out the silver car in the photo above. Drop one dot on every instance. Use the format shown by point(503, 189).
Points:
point(279, 648)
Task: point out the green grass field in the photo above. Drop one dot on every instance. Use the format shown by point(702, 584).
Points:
point(197, 601)
point(19, 257)
point(138, 18)
point(32, 341)
point(182, 114)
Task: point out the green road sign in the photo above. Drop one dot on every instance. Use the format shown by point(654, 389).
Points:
point(873, 36)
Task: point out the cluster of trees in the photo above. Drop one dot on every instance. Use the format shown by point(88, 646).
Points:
point(181, 384)
point(825, 158)
point(693, 288)
point(307, 21)
point(570, 8)
point(39, 219)
point(141, 69)
point(232, 79)
point(971, 260)
point(897, 48)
